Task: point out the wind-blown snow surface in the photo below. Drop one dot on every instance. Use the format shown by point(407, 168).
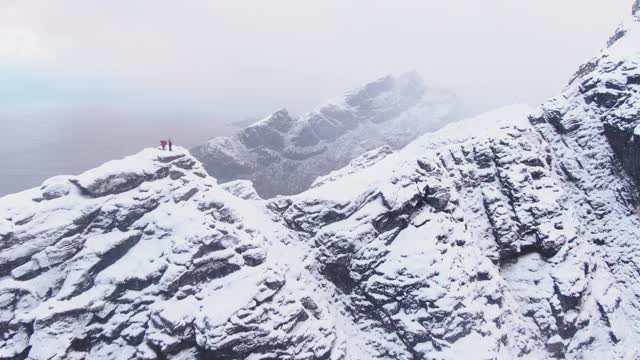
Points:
point(284, 155)
point(514, 234)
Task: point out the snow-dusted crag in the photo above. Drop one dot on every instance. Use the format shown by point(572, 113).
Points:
point(477, 245)
point(514, 234)
point(147, 257)
point(283, 154)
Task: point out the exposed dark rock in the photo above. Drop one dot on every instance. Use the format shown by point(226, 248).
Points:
point(339, 274)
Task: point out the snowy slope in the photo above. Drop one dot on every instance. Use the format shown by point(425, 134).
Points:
point(356, 165)
point(284, 155)
point(513, 234)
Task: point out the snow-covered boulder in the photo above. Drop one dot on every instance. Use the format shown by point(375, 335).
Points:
point(55, 187)
point(242, 188)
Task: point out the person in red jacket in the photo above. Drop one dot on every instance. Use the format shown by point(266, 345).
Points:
point(163, 143)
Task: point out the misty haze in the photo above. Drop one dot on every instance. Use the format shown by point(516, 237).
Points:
point(87, 82)
point(319, 180)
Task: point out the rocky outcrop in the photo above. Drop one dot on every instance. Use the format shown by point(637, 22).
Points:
point(147, 258)
point(419, 250)
point(242, 188)
point(284, 155)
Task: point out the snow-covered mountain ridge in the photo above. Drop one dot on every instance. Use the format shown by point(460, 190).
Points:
point(284, 155)
point(142, 257)
point(513, 234)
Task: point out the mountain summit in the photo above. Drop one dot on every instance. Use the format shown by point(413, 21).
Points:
point(282, 154)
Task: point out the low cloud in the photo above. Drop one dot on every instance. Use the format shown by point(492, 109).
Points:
point(242, 58)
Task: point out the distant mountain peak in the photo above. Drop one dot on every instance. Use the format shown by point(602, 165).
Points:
point(392, 111)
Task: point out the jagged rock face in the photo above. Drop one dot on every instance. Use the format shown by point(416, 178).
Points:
point(284, 155)
point(611, 90)
point(419, 253)
point(518, 241)
point(147, 258)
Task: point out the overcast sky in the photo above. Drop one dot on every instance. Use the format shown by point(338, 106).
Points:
point(237, 58)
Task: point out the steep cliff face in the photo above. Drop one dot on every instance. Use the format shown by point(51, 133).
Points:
point(284, 155)
point(477, 244)
point(609, 87)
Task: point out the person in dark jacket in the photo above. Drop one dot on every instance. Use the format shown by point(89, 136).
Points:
point(170, 145)
point(163, 143)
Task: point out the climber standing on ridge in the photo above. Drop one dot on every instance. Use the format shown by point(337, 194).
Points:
point(170, 145)
point(163, 143)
